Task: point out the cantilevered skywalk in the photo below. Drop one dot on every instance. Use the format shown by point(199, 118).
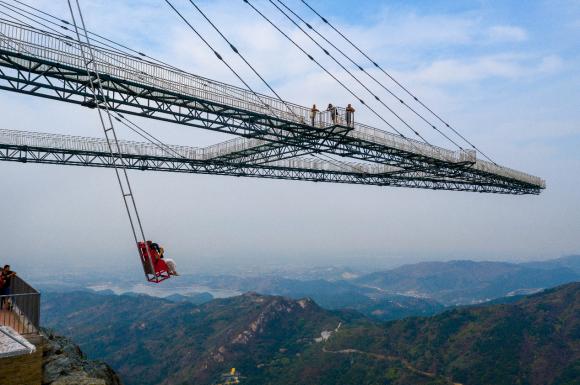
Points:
point(278, 139)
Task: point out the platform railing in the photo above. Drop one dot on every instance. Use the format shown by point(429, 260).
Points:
point(20, 309)
point(97, 145)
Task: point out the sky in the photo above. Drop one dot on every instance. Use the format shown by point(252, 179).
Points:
point(505, 73)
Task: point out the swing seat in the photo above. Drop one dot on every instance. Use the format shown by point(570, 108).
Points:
point(155, 268)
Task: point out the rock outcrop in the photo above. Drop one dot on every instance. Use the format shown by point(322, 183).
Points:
point(65, 364)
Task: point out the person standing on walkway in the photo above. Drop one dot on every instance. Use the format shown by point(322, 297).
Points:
point(350, 115)
point(333, 111)
point(313, 113)
point(6, 276)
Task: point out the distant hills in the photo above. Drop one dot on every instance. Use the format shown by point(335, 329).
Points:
point(276, 340)
point(416, 289)
point(466, 282)
point(571, 262)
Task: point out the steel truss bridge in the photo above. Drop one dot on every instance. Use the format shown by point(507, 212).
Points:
point(276, 139)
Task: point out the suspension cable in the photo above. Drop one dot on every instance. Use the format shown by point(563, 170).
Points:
point(216, 53)
point(350, 73)
point(309, 26)
point(324, 68)
point(406, 90)
point(220, 57)
point(99, 38)
point(236, 50)
point(60, 33)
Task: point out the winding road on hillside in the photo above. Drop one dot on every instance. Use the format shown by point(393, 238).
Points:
point(403, 361)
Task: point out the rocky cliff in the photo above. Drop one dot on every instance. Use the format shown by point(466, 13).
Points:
point(65, 364)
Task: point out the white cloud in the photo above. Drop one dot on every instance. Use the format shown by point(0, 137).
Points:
point(507, 33)
point(506, 66)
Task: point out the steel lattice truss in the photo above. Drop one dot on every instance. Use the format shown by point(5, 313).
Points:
point(28, 147)
point(276, 136)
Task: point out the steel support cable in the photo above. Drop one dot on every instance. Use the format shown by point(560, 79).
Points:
point(98, 36)
point(217, 54)
point(405, 89)
point(243, 58)
point(22, 12)
point(350, 73)
point(57, 32)
point(323, 68)
point(358, 66)
point(126, 189)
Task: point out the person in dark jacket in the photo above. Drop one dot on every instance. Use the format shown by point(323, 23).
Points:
point(6, 276)
point(333, 113)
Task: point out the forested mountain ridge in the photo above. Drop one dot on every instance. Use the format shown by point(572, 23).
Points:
point(533, 341)
point(275, 340)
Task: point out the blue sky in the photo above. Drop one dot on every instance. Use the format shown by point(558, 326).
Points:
point(506, 73)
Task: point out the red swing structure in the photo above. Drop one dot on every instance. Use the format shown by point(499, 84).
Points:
point(155, 268)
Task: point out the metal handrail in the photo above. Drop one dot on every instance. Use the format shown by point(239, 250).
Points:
point(20, 308)
point(96, 145)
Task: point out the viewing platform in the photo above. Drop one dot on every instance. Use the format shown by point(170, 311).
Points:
point(21, 344)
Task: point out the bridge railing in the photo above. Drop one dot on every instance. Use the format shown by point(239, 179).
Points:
point(20, 309)
point(483, 165)
point(96, 145)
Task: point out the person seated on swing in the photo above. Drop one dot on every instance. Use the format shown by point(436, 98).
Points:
point(168, 261)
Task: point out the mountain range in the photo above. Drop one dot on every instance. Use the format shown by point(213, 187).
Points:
point(466, 282)
point(278, 340)
point(416, 289)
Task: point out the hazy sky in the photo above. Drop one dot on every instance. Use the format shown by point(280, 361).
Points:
point(506, 73)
